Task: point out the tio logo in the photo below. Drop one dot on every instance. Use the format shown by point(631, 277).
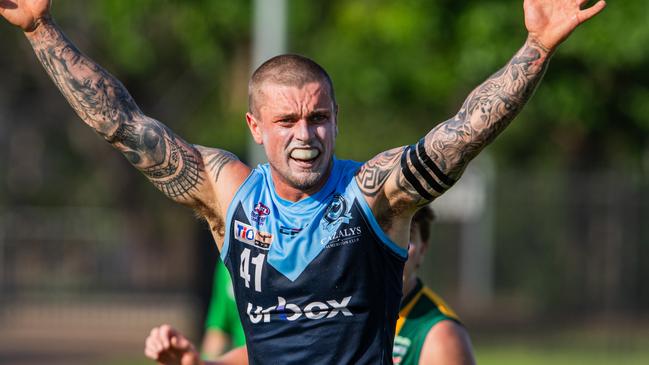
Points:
point(244, 232)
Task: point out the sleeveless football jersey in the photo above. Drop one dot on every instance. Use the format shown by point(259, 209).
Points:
point(421, 309)
point(316, 281)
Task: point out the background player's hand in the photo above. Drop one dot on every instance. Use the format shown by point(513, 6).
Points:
point(24, 13)
point(550, 22)
point(167, 346)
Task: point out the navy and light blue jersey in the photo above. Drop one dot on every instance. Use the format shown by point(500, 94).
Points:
point(316, 281)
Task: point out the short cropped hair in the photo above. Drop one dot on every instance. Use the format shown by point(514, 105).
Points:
point(422, 221)
point(289, 70)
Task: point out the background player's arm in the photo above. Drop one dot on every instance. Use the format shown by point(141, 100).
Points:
point(184, 172)
point(214, 343)
point(404, 178)
point(447, 342)
point(167, 346)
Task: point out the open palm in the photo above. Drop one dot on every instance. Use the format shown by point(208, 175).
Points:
point(552, 21)
point(24, 13)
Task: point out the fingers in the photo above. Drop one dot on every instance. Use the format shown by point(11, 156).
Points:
point(159, 342)
point(180, 343)
point(592, 11)
point(152, 344)
point(165, 334)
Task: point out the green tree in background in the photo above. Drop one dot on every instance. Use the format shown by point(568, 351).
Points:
point(402, 66)
point(399, 68)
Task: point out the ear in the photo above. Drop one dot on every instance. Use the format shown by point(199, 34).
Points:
point(255, 128)
point(423, 247)
point(336, 117)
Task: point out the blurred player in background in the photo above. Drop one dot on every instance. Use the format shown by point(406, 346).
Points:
point(428, 331)
point(223, 329)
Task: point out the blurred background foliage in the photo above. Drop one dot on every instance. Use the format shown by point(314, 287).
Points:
point(572, 192)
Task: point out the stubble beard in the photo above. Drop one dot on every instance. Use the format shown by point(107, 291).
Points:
point(305, 180)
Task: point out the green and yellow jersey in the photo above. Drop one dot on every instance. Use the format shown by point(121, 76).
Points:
point(420, 310)
point(223, 314)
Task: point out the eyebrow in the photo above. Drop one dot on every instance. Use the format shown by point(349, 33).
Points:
point(294, 115)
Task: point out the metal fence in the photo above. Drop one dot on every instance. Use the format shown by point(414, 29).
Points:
point(558, 243)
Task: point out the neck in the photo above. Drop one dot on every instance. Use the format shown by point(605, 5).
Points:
point(409, 284)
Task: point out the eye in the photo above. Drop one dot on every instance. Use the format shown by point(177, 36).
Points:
point(318, 118)
point(284, 122)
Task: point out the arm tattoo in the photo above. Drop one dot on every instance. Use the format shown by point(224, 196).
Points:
point(217, 159)
point(375, 172)
point(434, 164)
point(178, 175)
point(99, 99)
point(103, 103)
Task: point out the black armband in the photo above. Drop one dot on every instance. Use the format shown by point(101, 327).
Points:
point(422, 165)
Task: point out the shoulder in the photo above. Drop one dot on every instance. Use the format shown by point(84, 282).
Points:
point(224, 174)
point(447, 342)
point(373, 174)
point(221, 163)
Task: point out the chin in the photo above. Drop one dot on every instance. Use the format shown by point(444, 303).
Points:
point(307, 180)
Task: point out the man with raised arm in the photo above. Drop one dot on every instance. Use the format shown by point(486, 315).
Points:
point(315, 245)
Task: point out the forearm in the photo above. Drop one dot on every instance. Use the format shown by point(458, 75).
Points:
point(432, 166)
point(171, 164)
point(97, 97)
point(487, 111)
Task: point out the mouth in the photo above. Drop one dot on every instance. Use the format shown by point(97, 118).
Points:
point(305, 155)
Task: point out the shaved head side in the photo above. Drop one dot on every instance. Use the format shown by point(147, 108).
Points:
point(288, 70)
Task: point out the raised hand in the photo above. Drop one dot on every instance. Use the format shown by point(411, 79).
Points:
point(24, 13)
point(550, 22)
point(168, 347)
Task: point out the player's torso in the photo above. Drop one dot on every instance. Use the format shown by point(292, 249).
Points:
point(316, 281)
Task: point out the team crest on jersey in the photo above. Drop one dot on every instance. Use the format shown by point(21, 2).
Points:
point(400, 349)
point(259, 213)
point(249, 235)
point(338, 211)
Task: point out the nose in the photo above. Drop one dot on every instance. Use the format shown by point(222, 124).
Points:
point(302, 130)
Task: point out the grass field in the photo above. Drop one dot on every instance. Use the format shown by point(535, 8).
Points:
point(555, 350)
point(561, 355)
point(523, 355)
point(575, 345)
point(591, 346)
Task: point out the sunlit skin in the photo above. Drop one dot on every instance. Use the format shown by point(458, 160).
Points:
point(297, 128)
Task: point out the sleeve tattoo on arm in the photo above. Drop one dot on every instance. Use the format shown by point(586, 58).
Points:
point(104, 104)
point(375, 172)
point(432, 166)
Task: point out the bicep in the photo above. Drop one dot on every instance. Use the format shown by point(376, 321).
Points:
point(404, 178)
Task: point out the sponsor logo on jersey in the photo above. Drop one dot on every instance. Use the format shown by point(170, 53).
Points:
point(259, 213)
point(284, 311)
point(342, 237)
point(288, 231)
point(400, 349)
point(338, 211)
point(249, 235)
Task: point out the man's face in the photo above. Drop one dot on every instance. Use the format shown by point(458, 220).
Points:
point(297, 127)
point(416, 250)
